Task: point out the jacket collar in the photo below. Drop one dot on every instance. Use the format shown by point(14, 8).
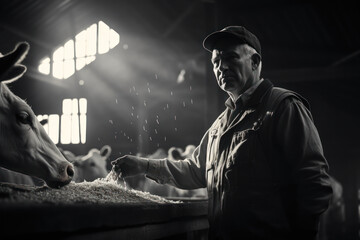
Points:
point(250, 97)
point(254, 99)
point(258, 94)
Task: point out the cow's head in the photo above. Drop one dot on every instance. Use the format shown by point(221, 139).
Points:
point(24, 145)
point(90, 166)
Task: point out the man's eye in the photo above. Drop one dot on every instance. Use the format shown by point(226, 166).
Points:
point(23, 117)
point(230, 58)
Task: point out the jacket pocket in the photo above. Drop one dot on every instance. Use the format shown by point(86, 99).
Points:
point(242, 147)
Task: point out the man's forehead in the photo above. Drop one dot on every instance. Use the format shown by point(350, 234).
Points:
point(217, 51)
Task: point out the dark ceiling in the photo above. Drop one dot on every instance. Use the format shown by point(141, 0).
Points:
point(293, 34)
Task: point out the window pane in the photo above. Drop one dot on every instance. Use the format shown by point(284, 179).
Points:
point(91, 40)
point(54, 128)
point(83, 127)
point(44, 66)
point(66, 106)
point(69, 68)
point(58, 70)
point(104, 38)
point(69, 49)
point(75, 137)
point(90, 59)
point(75, 108)
point(58, 54)
point(65, 129)
point(80, 44)
point(114, 38)
point(83, 105)
point(80, 63)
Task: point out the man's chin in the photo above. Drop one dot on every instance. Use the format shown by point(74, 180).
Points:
point(228, 87)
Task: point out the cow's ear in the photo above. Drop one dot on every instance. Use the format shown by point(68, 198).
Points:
point(13, 74)
point(105, 151)
point(14, 57)
point(10, 67)
point(6, 94)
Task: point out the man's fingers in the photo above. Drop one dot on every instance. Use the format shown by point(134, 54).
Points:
point(123, 166)
point(114, 162)
point(115, 165)
point(117, 161)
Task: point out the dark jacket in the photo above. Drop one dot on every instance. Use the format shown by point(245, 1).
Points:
point(266, 172)
point(263, 164)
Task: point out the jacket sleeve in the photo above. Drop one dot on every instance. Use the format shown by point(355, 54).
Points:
point(300, 149)
point(185, 174)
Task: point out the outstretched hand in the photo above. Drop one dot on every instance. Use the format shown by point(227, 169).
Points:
point(129, 165)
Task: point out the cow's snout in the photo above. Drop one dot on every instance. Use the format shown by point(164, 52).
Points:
point(65, 174)
point(70, 171)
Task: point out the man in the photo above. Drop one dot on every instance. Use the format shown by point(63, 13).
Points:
point(261, 160)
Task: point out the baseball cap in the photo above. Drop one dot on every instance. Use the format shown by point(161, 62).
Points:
point(237, 33)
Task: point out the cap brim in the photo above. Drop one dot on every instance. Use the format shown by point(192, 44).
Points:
point(210, 41)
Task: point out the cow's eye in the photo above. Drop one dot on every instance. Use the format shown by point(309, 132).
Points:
point(23, 117)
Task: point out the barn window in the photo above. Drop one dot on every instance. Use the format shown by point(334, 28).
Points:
point(44, 66)
point(73, 121)
point(71, 124)
point(75, 54)
point(51, 126)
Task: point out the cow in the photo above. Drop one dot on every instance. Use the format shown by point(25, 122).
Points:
point(25, 147)
point(90, 166)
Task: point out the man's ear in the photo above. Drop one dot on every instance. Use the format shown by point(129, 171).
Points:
point(255, 61)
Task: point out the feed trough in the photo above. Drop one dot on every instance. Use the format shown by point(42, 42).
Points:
point(97, 210)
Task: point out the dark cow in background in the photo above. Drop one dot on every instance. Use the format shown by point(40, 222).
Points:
point(25, 147)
